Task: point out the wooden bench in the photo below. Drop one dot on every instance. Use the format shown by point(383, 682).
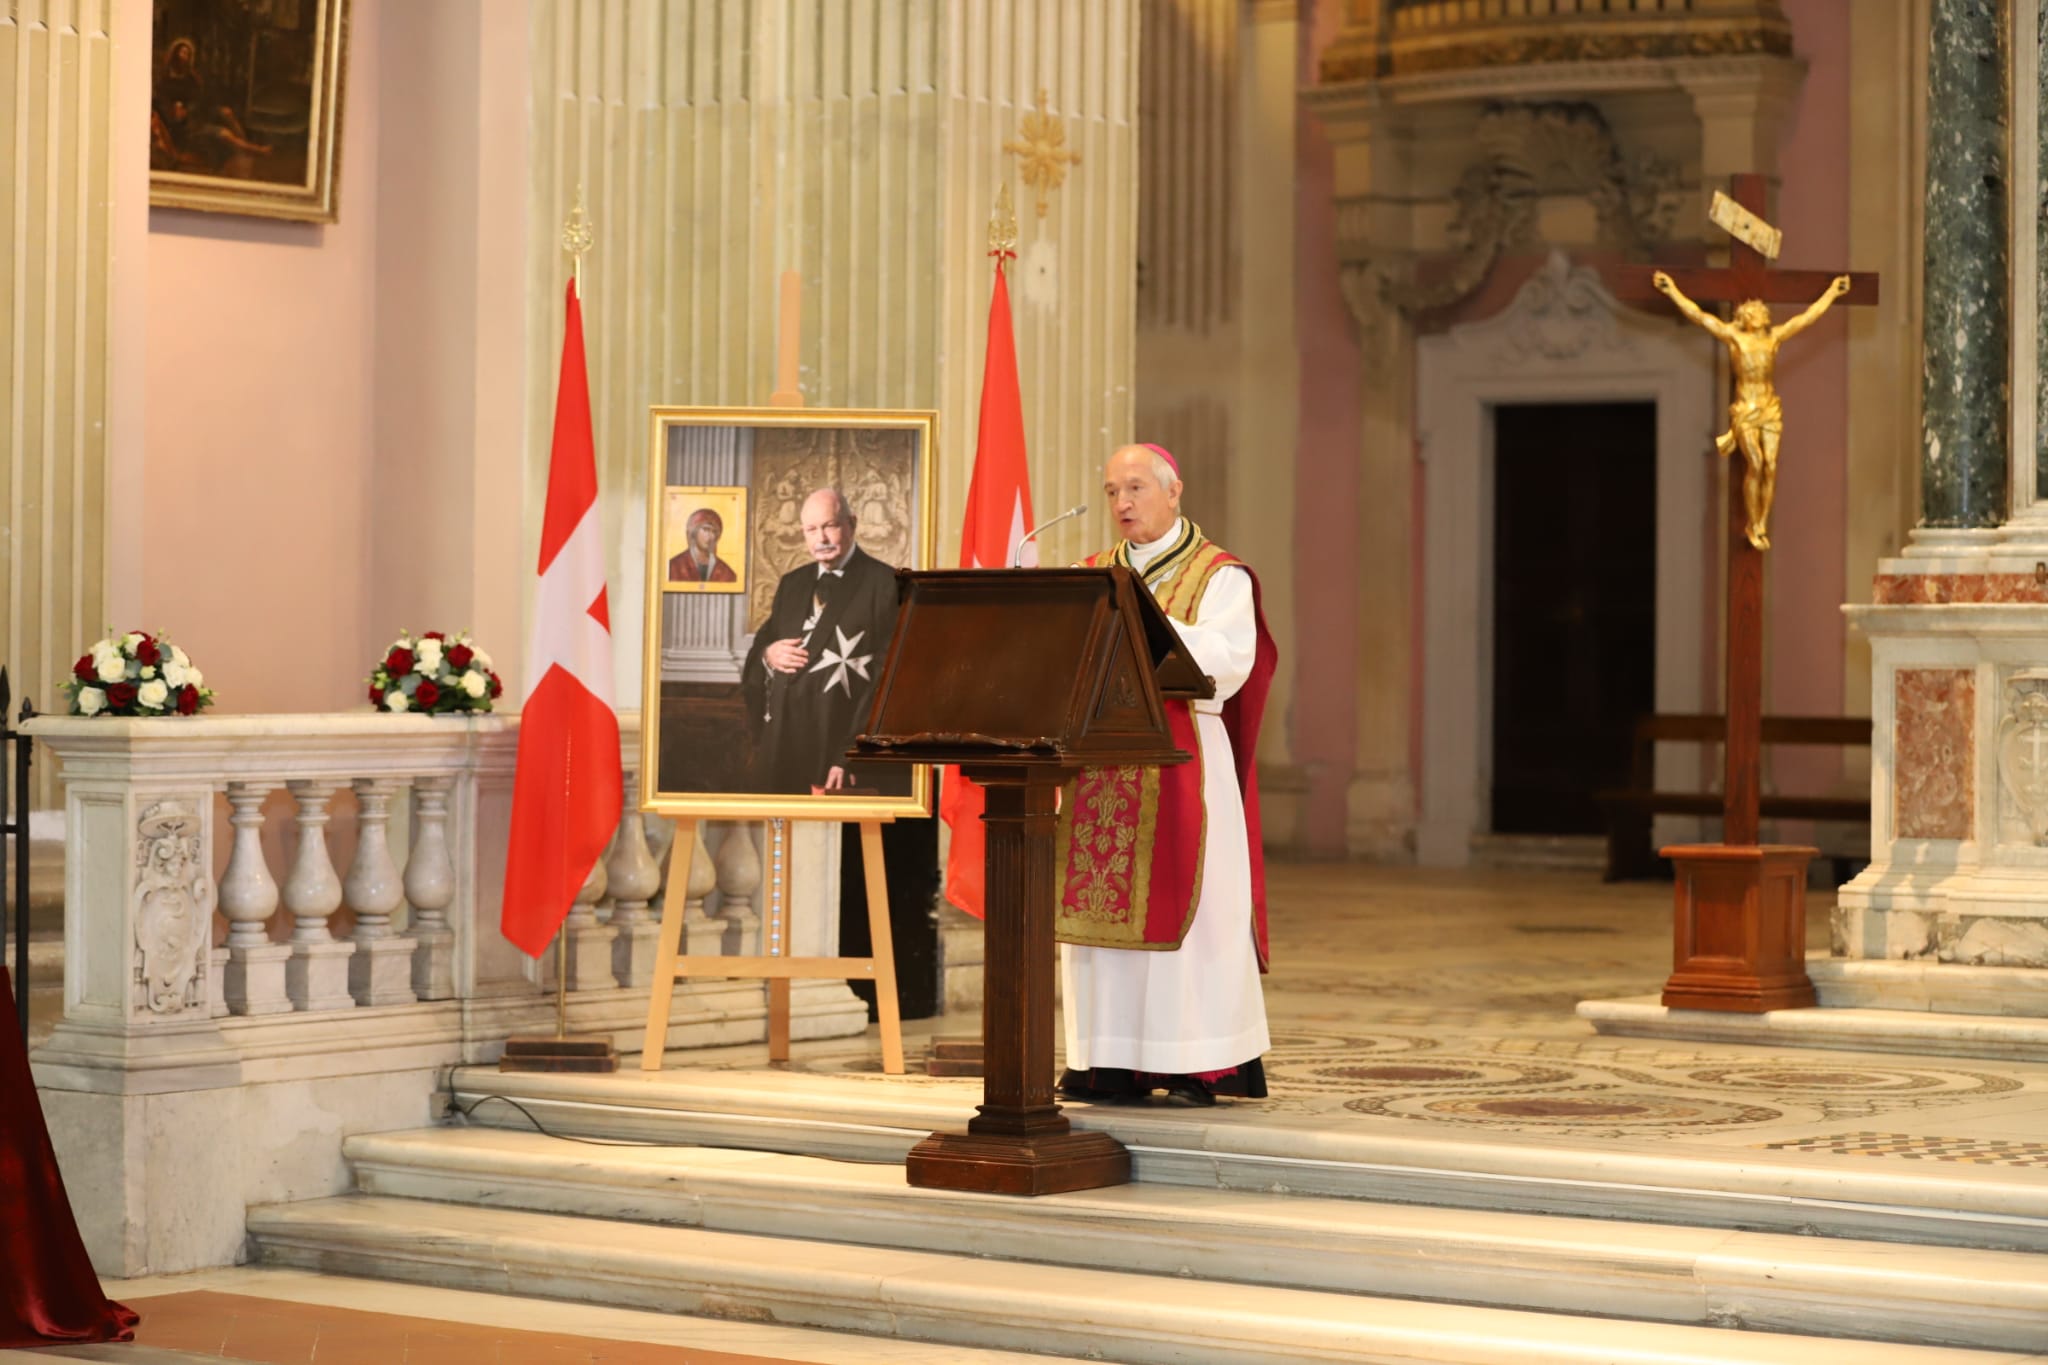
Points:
point(1629, 812)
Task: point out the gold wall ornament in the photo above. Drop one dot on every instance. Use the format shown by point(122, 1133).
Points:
point(1043, 148)
point(578, 235)
point(1002, 225)
point(1756, 418)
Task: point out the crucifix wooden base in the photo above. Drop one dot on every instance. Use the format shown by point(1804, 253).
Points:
point(1018, 1142)
point(1739, 928)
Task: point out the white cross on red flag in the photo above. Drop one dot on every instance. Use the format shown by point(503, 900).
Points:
point(998, 516)
point(566, 790)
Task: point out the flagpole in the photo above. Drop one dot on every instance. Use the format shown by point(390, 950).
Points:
point(577, 239)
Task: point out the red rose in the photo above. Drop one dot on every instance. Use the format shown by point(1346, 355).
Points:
point(146, 653)
point(83, 669)
point(376, 695)
point(188, 700)
point(434, 635)
point(496, 686)
point(426, 696)
point(459, 657)
point(120, 696)
point(398, 662)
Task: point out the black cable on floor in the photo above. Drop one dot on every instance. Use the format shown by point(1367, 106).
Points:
point(457, 1109)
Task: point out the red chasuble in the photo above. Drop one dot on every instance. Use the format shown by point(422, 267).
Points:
point(1131, 838)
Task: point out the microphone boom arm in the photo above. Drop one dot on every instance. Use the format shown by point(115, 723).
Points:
point(1017, 558)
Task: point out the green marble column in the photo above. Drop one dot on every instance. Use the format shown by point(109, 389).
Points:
point(2040, 210)
point(1967, 330)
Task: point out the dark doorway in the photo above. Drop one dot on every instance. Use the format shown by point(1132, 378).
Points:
point(1575, 607)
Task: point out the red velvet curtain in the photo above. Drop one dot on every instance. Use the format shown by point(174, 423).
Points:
point(48, 1291)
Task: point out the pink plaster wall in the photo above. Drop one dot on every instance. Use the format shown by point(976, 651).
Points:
point(1806, 584)
point(257, 466)
point(1323, 728)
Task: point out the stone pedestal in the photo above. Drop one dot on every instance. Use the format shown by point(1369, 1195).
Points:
point(633, 947)
point(1959, 761)
point(255, 979)
point(590, 948)
point(380, 972)
point(433, 964)
point(316, 977)
point(1739, 928)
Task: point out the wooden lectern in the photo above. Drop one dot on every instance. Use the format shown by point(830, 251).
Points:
point(1024, 677)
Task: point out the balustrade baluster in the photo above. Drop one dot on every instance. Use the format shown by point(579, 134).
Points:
point(316, 976)
point(635, 877)
point(380, 972)
point(589, 943)
point(737, 864)
point(253, 982)
point(430, 889)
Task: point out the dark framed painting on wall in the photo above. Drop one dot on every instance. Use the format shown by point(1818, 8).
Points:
point(245, 106)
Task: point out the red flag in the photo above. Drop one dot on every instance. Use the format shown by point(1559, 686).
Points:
point(998, 516)
point(566, 788)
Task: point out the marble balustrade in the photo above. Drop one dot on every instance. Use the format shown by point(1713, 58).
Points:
point(234, 1006)
point(419, 877)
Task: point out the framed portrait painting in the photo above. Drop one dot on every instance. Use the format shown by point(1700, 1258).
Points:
point(774, 538)
point(245, 106)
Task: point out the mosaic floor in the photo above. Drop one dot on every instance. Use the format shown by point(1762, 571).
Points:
point(1416, 996)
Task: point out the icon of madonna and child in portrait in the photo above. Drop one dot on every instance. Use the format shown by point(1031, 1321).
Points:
point(774, 540)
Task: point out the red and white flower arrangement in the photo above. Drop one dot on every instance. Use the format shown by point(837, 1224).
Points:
point(436, 672)
point(136, 674)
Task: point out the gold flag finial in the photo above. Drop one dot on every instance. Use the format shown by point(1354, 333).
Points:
point(577, 238)
point(1002, 225)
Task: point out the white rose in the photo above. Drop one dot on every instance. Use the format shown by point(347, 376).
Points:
point(396, 700)
point(175, 673)
point(178, 657)
point(153, 694)
point(91, 701)
point(429, 658)
point(149, 670)
point(131, 642)
point(193, 677)
point(113, 668)
point(475, 683)
point(483, 660)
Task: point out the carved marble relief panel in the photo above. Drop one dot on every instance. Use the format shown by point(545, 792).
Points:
point(174, 901)
point(2023, 758)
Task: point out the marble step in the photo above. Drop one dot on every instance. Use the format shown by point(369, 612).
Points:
point(969, 1301)
point(1702, 1276)
point(865, 1118)
point(1919, 1032)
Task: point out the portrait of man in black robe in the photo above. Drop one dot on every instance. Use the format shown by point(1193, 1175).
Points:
point(810, 675)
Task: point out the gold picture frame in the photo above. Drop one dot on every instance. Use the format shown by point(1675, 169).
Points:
point(732, 728)
point(245, 108)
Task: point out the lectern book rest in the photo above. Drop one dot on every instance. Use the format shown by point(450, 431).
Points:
point(1024, 677)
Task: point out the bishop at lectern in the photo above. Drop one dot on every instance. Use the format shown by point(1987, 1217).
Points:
point(1160, 891)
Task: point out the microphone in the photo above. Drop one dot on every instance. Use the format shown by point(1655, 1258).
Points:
point(1017, 559)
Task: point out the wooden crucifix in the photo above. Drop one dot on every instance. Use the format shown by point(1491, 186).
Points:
point(1740, 925)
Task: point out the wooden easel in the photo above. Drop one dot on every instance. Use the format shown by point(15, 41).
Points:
point(671, 964)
